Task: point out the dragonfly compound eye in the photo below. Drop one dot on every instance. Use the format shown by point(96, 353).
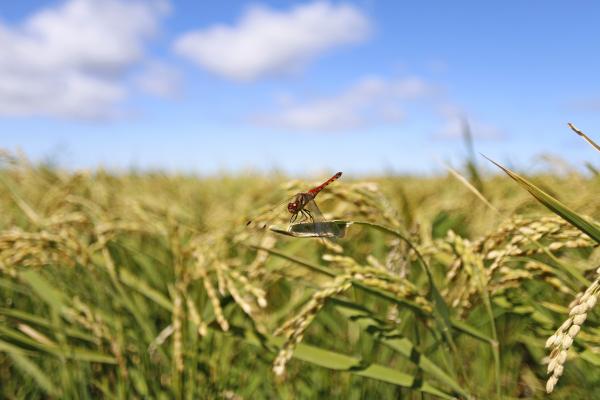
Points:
point(293, 207)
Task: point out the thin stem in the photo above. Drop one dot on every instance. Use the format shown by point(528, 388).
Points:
point(583, 135)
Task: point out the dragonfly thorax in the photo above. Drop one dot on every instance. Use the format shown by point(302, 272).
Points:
point(299, 202)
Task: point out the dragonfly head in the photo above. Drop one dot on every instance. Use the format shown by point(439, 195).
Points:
point(294, 207)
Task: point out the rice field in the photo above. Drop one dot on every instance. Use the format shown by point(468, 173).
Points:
point(478, 283)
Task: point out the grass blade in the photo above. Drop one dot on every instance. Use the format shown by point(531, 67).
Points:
point(142, 287)
point(31, 369)
point(369, 323)
point(341, 362)
point(44, 289)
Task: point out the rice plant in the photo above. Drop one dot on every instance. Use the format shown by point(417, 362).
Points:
point(152, 286)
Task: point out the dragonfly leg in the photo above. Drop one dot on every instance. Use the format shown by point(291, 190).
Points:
point(304, 215)
point(293, 218)
point(309, 215)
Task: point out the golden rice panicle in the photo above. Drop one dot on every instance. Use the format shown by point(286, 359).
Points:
point(466, 275)
point(379, 277)
point(295, 328)
point(562, 339)
point(216, 304)
point(36, 249)
point(256, 268)
point(211, 266)
point(519, 235)
point(201, 272)
point(196, 318)
point(258, 293)
point(397, 260)
point(238, 298)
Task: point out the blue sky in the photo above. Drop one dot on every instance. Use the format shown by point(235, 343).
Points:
point(363, 87)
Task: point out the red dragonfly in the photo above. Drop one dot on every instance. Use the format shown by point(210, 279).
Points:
point(303, 204)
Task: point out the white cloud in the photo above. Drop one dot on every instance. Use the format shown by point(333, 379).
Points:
point(67, 94)
point(160, 80)
point(370, 101)
point(266, 42)
point(71, 60)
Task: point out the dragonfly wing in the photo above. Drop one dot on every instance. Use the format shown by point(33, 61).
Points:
point(322, 226)
point(267, 216)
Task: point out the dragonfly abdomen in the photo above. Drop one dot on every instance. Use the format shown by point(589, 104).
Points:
point(314, 191)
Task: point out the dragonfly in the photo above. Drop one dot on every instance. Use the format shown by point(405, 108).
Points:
point(303, 208)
